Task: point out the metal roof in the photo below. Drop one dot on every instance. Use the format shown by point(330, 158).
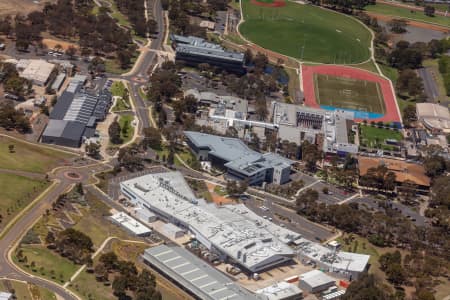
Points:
point(233, 229)
point(194, 274)
point(210, 52)
point(238, 155)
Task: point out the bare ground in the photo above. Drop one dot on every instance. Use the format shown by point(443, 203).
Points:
point(23, 7)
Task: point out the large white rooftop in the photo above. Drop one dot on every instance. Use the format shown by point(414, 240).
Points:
point(281, 290)
point(131, 224)
point(233, 229)
point(35, 69)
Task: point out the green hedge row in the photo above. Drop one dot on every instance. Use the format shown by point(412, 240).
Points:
point(444, 69)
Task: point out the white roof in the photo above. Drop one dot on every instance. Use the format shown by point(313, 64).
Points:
point(35, 69)
point(240, 234)
point(335, 260)
point(281, 290)
point(316, 278)
point(5, 296)
point(171, 229)
point(434, 115)
point(130, 224)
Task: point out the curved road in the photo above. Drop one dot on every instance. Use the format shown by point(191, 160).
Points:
point(137, 78)
point(9, 240)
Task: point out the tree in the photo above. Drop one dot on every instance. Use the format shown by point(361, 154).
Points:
point(367, 287)
point(310, 154)
point(93, 149)
point(119, 286)
point(397, 25)
point(429, 11)
point(408, 82)
point(11, 148)
point(109, 260)
point(152, 138)
point(71, 51)
point(409, 115)
point(114, 132)
point(152, 26)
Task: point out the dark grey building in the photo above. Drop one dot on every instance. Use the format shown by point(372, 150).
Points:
point(193, 51)
point(75, 116)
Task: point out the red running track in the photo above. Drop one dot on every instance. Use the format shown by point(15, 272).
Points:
point(392, 113)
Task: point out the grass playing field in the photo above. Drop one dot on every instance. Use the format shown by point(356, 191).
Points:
point(348, 93)
point(306, 32)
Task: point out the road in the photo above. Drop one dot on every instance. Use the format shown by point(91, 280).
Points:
point(429, 84)
point(9, 240)
point(136, 78)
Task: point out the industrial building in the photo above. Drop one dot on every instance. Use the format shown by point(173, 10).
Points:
point(75, 115)
point(194, 51)
point(343, 264)
point(130, 224)
point(330, 129)
point(434, 117)
point(36, 70)
point(216, 101)
point(238, 159)
point(234, 233)
point(194, 275)
point(282, 291)
point(316, 281)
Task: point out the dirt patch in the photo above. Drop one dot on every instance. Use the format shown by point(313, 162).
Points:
point(51, 43)
point(217, 199)
point(23, 7)
point(274, 3)
point(412, 23)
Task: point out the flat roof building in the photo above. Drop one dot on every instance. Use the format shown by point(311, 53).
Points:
point(434, 117)
point(131, 224)
point(330, 129)
point(232, 231)
point(217, 101)
point(194, 50)
point(282, 291)
point(194, 275)
point(316, 281)
point(343, 264)
point(75, 115)
point(36, 70)
point(238, 159)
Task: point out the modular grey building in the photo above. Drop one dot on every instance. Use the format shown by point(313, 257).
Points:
point(75, 116)
point(194, 50)
point(238, 159)
point(194, 275)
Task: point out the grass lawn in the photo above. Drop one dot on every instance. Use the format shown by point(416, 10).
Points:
point(29, 157)
point(321, 35)
point(95, 225)
point(389, 72)
point(121, 105)
point(86, 284)
point(125, 122)
point(234, 38)
point(25, 291)
point(349, 93)
point(369, 66)
point(16, 192)
point(113, 66)
point(118, 89)
point(293, 84)
point(221, 191)
point(389, 10)
point(48, 260)
point(371, 136)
